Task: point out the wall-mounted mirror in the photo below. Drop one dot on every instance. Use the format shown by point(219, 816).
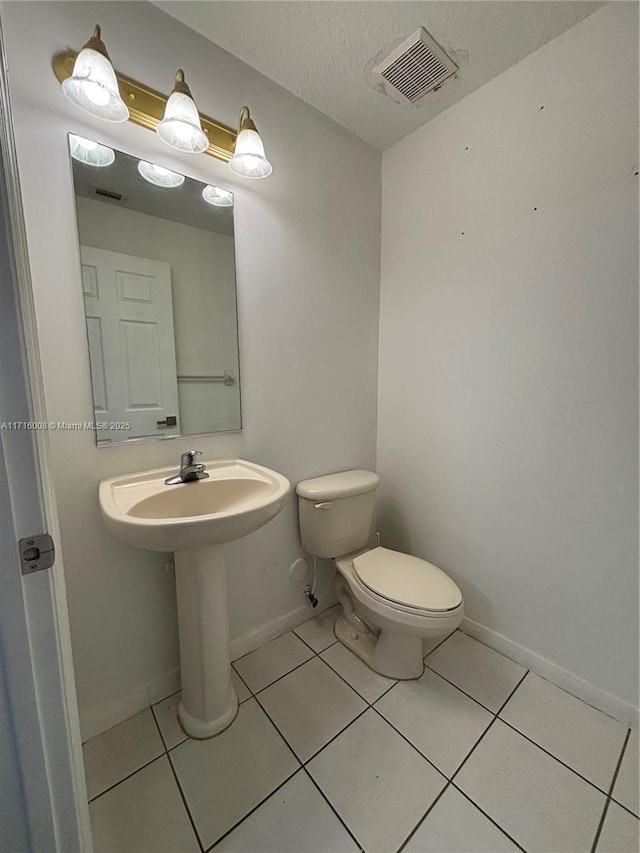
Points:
point(159, 288)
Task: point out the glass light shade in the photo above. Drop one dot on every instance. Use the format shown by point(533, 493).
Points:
point(248, 159)
point(90, 152)
point(180, 128)
point(160, 176)
point(93, 87)
point(218, 197)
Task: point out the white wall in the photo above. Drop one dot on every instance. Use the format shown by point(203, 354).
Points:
point(308, 278)
point(203, 291)
point(508, 395)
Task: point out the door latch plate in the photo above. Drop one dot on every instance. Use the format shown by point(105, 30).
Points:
point(36, 553)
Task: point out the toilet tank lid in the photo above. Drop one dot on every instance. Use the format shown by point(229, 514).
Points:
point(340, 485)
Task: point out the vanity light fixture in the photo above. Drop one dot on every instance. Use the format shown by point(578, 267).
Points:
point(89, 152)
point(93, 85)
point(217, 196)
point(248, 159)
point(180, 128)
point(160, 176)
point(90, 81)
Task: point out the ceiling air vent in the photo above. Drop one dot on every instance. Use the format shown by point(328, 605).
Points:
point(104, 192)
point(416, 67)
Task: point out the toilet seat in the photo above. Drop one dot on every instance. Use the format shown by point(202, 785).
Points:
point(407, 581)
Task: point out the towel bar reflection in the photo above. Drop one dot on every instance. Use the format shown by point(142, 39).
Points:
point(227, 377)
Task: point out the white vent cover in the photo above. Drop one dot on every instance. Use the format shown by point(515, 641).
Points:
point(417, 66)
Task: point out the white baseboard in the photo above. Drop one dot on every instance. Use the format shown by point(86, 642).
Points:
point(97, 720)
point(251, 640)
point(606, 702)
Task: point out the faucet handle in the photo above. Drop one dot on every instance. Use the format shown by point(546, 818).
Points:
point(189, 457)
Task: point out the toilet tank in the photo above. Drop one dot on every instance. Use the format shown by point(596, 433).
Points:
point(337, 512)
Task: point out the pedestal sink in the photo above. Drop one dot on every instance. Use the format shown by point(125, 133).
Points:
point(194, 520)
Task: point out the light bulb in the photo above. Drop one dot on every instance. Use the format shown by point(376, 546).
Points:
point(87, 144)
point(96, 93)
point(89, 152)
point(249, 160)
point(93, 85)
point(217, 196)
point(160, 176)
point(180, 128)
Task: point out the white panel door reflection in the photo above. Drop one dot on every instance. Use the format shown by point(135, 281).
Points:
point(131, 343)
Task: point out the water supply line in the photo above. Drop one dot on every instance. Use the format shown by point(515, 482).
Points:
point(309, 592)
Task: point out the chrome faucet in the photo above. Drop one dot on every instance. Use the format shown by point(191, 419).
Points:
point(189, 469)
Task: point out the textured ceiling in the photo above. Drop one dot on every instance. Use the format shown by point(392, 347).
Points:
point(323, 51)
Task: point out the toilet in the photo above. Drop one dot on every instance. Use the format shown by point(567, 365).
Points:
point(390, 602)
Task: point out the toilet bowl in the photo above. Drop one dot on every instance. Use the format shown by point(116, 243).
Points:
point(390, 601)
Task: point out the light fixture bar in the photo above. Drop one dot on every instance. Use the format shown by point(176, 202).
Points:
point(146, 108)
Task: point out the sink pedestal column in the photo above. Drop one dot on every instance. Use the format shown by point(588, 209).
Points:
point(209, 702)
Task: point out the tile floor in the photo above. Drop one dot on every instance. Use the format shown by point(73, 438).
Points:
point(477, 756)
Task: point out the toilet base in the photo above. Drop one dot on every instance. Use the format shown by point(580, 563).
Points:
point(393, 654)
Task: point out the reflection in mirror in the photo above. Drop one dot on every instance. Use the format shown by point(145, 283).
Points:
point(158, 274)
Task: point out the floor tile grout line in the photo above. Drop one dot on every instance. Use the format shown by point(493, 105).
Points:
point(388, 690)
point(584, 701)
point(288, 631)
point(412, 745)
point(511, 695)
point(555, 757)
point(364, 698)
point(395, 681)
point(242, 681)
point(288, 745)
point(115, 725)
point(489, 726)
point(469, 754)
point(626, 808)
point(605, 809)
point(251, 811)
point(450, 782)
point(422, 819)
point(468, 695)
point(318, 654)
point(302, 765)
point(155, 720)
point(309, 646)
point(431, 651)
point(336, 735)
point(488, 816)
point(331, 806)
point(180, 791)
point(280, 677)
point(611, 787)
point(128, 776)
point(164, 698)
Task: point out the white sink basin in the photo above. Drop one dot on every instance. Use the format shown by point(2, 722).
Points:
point(237, 498)
point(194, 520)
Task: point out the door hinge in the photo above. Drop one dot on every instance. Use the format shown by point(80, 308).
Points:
point(36, 553)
